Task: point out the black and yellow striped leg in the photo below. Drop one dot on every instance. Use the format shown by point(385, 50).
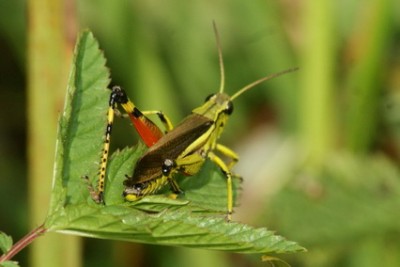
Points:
point(98, 193)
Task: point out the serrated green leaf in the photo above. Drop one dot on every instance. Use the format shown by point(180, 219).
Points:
point(6, 242)
point(82, 123)
point(170, 227)
point(195, 219)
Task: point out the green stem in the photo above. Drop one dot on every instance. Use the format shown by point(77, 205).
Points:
point(317, 124)
point(364, 84)
point(47, 73)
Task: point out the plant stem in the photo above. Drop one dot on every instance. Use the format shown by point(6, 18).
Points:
point(21, 244)
point(365, 80)
point(49, 57)
point(317, 123)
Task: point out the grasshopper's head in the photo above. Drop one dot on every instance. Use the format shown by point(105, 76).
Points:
point(217, 108)
point(215, 105)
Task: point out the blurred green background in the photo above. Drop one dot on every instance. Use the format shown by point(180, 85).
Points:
point(319, 148)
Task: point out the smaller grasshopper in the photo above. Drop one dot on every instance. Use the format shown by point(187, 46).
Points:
point(182, 149)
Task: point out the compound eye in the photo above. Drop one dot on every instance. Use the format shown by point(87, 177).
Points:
point(229, 108)
point(209, 97)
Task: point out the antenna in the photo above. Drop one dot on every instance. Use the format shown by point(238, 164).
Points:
point(221, 60)
point(251, 85)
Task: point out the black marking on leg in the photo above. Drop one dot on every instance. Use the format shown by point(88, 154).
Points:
point(162, 117)
point(225, 173)
point(137, 113)
point(108, 129)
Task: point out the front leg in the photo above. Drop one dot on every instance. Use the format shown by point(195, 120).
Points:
point(226, 171)
point(226, 151)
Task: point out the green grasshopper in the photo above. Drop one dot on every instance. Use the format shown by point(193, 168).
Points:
point(182, 149)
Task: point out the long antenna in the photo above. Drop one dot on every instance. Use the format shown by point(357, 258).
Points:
point(221, 60)
point(248, 87)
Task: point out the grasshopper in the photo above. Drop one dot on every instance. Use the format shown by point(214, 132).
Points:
point(182, 149)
